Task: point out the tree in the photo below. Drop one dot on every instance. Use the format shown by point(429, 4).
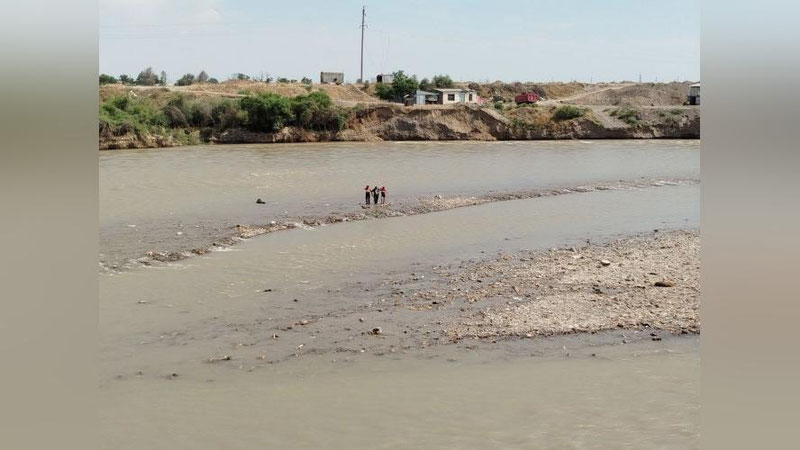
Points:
point(162, 79)
point(443, 81)
point(202, 77)
point(239, 76)
point(185, 80)
point(147, 77)
point(425, 85)
point(306, 80)
point(401, 86)
point(283, 80)
point(125, 79)
point(213, 80)
point(107, 79)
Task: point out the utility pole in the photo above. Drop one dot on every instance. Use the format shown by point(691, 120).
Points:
point(363, 25)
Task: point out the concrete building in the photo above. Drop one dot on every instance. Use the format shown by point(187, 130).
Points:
point(331, 77)
point(694, 94)
point(384, 78)
point(455, 95)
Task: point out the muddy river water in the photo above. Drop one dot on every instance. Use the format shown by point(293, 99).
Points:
point(206, 352)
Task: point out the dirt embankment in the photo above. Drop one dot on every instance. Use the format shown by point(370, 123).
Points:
point(613, 111)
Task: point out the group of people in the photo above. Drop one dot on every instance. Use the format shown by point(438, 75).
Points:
point(375, 192)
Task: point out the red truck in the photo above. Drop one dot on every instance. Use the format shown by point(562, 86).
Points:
point(526, 97)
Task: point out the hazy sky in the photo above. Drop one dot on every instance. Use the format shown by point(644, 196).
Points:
point(514, 40)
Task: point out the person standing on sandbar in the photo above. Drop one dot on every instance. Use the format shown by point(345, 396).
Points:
point(366, 194)
point(375, 194)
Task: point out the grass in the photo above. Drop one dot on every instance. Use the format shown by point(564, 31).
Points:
point(626, 115)
point(567, 112)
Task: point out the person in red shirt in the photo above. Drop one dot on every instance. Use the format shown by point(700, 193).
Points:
point(366, 194)
point(383, 195)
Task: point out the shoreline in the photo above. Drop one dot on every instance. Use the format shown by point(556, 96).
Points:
point(566, 301)
point(404, 207)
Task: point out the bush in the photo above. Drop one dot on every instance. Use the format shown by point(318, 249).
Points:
point(306, 80)
point(626, 115)
point(267, 111)
point(200, 114)
point(499, 105)
point(185, 80)
point(125, 79)
point(567, 112)
point(283, 80)
point(107, 79)
point(202, 77)
point(121, 115)
point(213, 80)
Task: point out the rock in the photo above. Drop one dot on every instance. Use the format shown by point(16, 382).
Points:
point(221, 358)
point(666, 282)
point(376, 331)
point(260, 202)
point(142, 302)
point(267, 290)
point(272, 222)
point(303, 322)
point(605, 262)
point(361, 319)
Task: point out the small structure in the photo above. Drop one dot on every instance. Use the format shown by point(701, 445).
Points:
point(331, 77)
point(694, 94)
point(426, 98)
point(456, 95)
point(526, 97)
point(387, 78)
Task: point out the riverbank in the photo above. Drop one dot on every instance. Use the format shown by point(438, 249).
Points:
point(567, 299)
point(167, 117)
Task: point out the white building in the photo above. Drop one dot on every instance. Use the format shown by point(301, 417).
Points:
point(456, 95)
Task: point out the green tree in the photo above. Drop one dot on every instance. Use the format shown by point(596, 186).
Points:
point(125, 79)
point(162, 79)
point(443, 81)
point(185, 80)
point(239, 76)
point(202, 77)
point(401, 86)
point(213, 80)
point(107, 79)
point(425, 85)
point(147, 77)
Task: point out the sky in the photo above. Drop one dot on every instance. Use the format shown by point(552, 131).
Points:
point(471, 40)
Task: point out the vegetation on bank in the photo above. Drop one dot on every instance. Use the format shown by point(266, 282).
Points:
point(179, 114)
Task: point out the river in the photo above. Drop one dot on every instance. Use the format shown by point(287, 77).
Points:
point(284, 385)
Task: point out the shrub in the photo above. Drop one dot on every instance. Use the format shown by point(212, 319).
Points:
point(107, 79)
point(185, 80)
point(227, 114)
point(125, 79)
point(213, 80)
point(267, 111)
point(499, 105)
point(175, 117)
point(200, 114)
point(239, 76)
point(626, 115)
point(202, 77)
point(283, 80)
point(567, 112)
point(306, 80)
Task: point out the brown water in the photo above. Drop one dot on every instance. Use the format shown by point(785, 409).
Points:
point(307, 394)
point(178, 199)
